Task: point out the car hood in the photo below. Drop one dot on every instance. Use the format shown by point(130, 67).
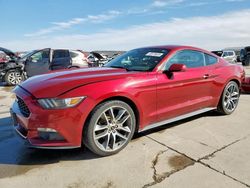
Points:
point(56, 83)
point(8, 52)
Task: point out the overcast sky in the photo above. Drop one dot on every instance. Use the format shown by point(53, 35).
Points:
point(122, 25)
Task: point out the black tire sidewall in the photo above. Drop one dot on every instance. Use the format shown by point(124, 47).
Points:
point(88, 138)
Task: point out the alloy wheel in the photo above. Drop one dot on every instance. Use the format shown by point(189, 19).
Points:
point(15, 78)
point(112, 129)
point(231, 97)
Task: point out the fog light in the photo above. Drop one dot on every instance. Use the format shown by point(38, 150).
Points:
point(49, 134)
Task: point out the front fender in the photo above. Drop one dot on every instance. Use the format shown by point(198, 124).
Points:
point(141, 91)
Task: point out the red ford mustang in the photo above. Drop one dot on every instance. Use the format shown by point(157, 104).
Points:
point(141, 89)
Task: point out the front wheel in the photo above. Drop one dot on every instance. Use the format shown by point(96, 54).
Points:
point(13, 77)
point(110, 128)
point(229, 98)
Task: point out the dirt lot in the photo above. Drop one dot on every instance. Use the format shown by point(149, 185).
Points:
point(200, 152)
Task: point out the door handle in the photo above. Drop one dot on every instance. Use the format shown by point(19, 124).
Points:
point(206, 76)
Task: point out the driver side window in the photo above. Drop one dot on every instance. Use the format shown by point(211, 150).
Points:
point(40, 56)
point(190, 58)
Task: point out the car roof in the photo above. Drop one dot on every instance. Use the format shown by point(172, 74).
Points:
point(179, 47)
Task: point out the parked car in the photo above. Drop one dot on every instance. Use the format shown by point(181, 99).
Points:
point(11, 70)
point(245, 56)
point(79, 59)
point(39, 62)
point(229, 56)
point(97, 59)
point(144, 88)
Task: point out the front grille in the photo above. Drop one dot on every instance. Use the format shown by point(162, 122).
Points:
point(23, 107)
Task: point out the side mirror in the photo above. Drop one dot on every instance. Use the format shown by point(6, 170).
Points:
point(177, 68)
point(174, 68)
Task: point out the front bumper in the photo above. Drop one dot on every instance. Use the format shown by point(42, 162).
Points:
point(67, 123)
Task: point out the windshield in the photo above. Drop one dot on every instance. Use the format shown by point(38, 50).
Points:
point(143, 59)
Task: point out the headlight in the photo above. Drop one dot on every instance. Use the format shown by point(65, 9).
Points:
point(56, 103)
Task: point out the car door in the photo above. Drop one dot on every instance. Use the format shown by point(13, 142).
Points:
point(60, 59)
point(186, 91)
point(38, 63)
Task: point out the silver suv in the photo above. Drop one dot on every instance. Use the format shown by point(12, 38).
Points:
point(229, 56)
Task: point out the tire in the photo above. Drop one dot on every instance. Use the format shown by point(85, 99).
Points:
point(13, 77)
point(110, 128)
point(229, 98)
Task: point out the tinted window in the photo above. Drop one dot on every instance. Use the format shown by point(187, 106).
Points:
point(230, 53)
point(60, 53)
point(189, 58)
point(143, 59)
point(210, 60)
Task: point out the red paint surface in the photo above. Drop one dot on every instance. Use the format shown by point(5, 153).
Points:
point(155, 96)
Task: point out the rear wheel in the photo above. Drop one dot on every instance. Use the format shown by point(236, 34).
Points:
point(229, 98)
point(110, 128)
point(13, 77)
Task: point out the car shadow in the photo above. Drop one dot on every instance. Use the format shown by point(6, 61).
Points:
point(15, 152)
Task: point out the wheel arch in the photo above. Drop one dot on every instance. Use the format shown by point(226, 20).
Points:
point(123, 99)
point(235, 80)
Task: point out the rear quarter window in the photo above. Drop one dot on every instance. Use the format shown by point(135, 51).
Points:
point(210, 60)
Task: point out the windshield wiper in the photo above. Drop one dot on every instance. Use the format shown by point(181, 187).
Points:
point(120, 67)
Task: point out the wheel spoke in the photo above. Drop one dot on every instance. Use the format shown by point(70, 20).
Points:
point(114, 140)
point(125, 119)
point(227, 105)
point(120, 115)
point(101, 135)
point(235, 94)
point(100, 127)
point(232, 104)
point(125, 129)
point(234, 98)
point(106, 118)
point(112, 114)
point(121, 136)
point(107, 142)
